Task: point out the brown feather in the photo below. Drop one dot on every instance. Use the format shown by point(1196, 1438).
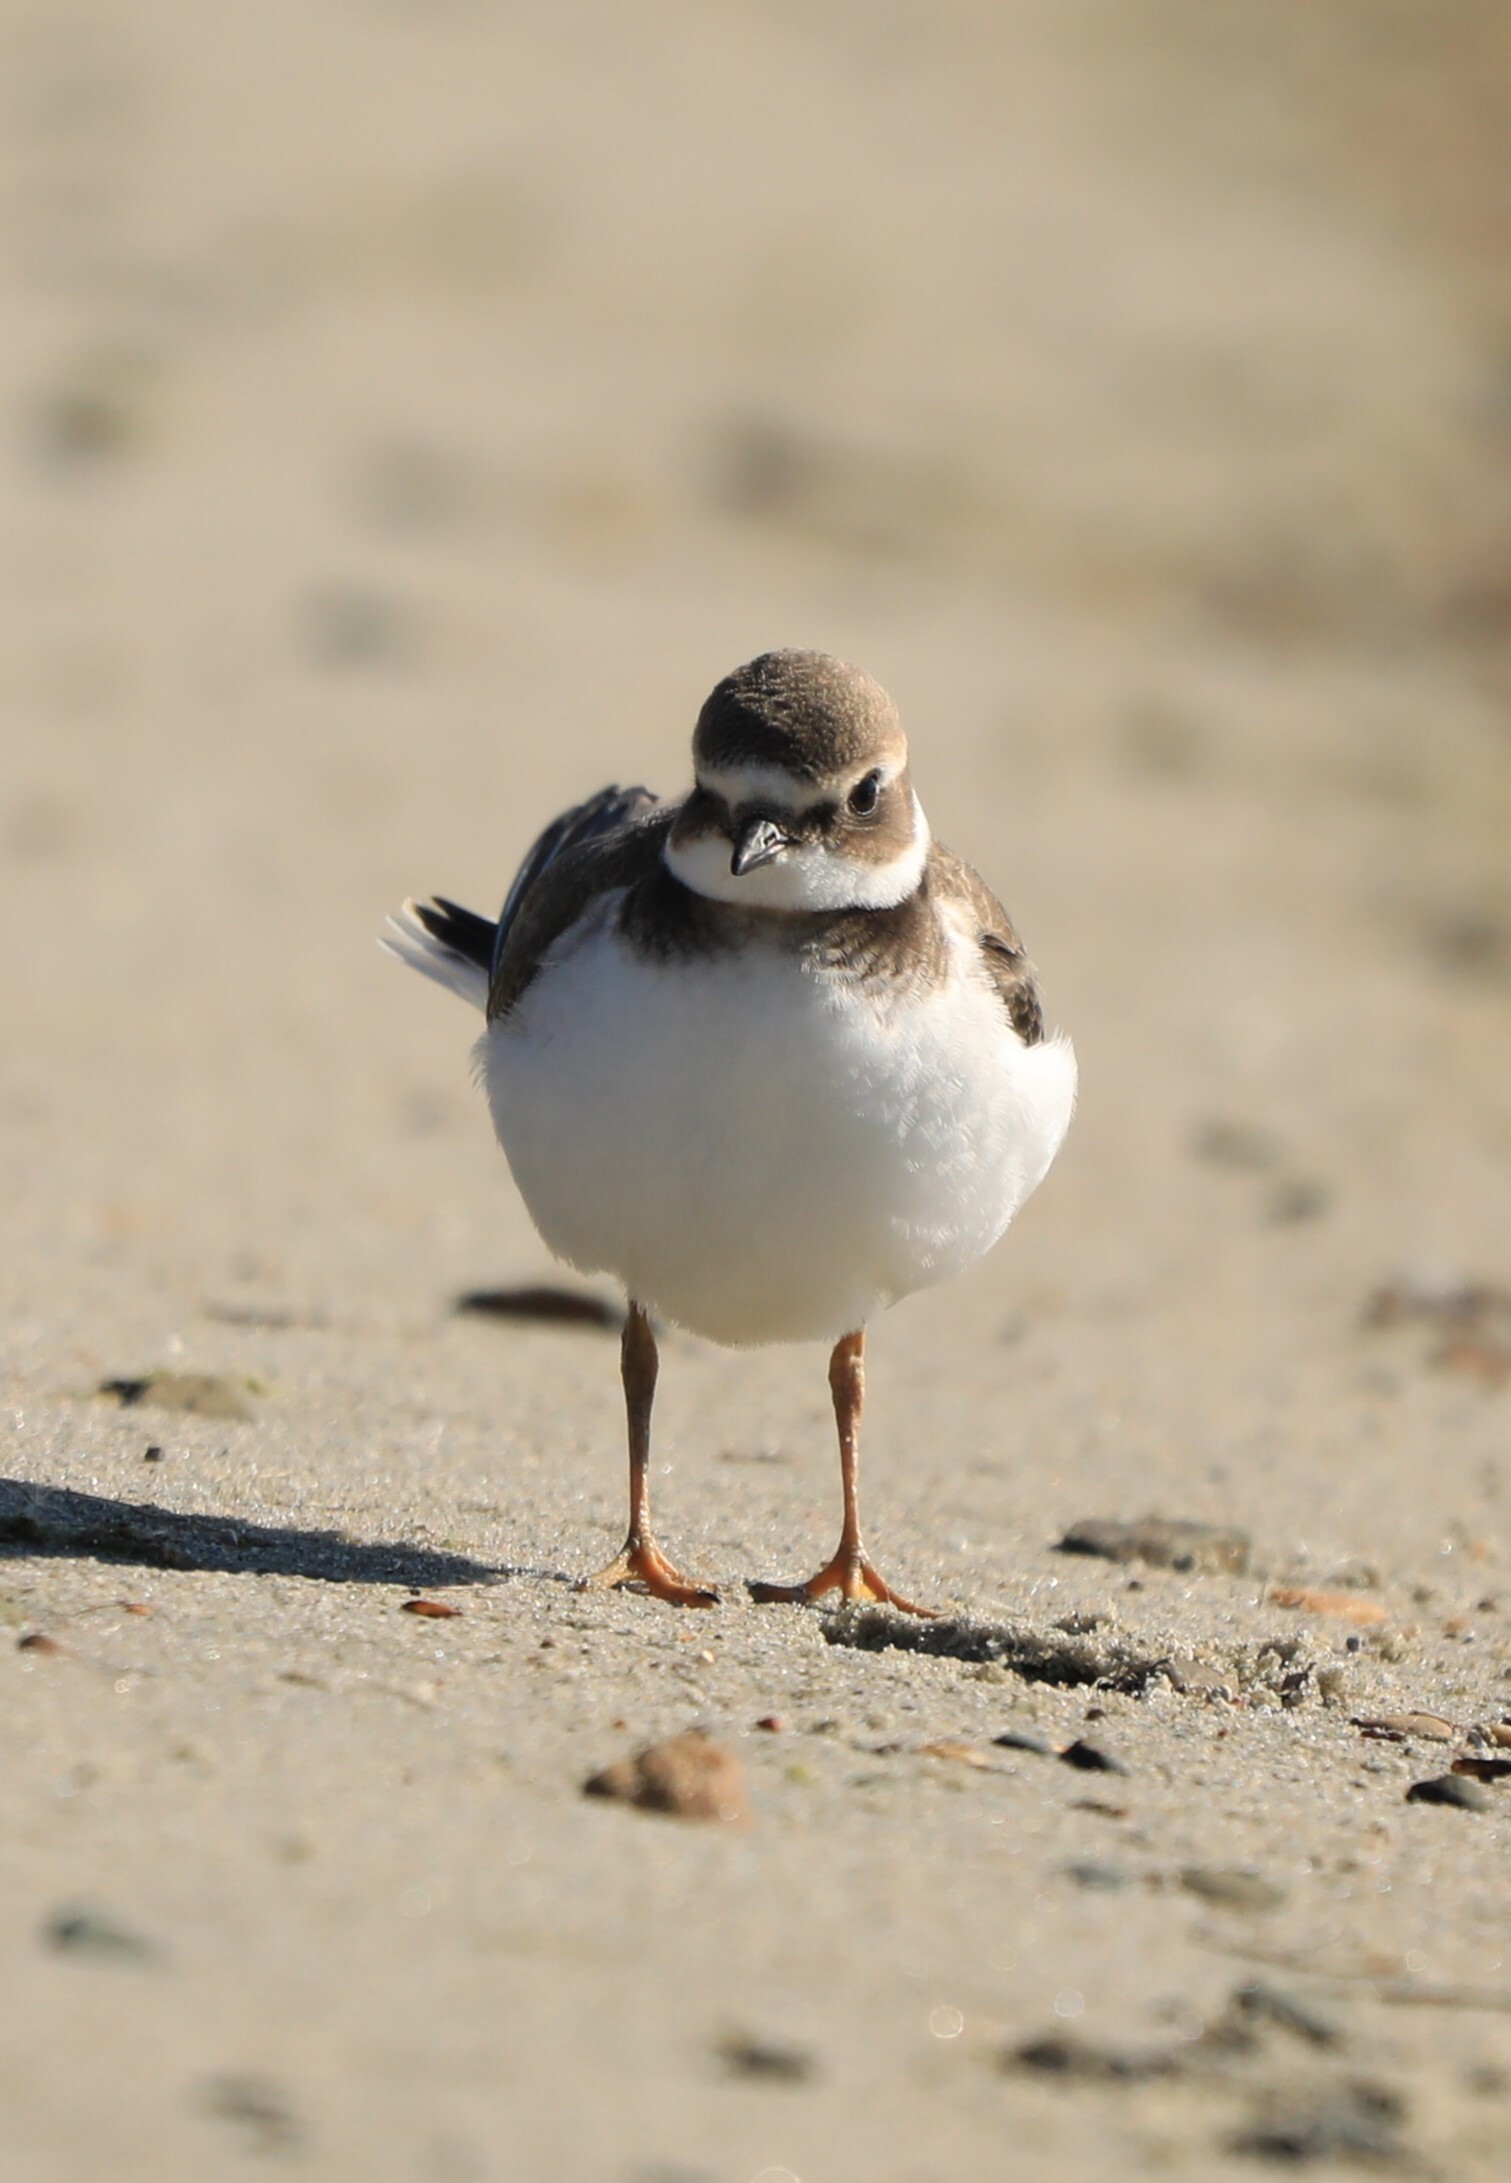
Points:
point(661, 917)
point(1002, 954)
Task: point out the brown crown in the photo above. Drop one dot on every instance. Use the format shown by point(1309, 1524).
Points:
point(806, 712)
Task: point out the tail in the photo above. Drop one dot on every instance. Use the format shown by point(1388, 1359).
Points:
point(458, 948)
point(452, 945)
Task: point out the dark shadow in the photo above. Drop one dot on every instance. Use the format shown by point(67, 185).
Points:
point(545, 1306)
point(54, 1520)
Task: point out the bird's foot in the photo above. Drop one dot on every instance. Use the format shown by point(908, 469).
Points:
point(852, 1574)
point(642, 1562)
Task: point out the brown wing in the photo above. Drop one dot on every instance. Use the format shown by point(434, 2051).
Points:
point(1002, 954)
point(549, 899)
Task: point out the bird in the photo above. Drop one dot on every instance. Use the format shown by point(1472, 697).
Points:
point(768, 1054)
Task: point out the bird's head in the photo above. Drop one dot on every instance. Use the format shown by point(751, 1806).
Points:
point(801, 798)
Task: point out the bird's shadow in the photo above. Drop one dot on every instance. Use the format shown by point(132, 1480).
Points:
point(56, 1521)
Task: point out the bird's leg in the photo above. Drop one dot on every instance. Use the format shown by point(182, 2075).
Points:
point(641, 1560)
point(850, 1571)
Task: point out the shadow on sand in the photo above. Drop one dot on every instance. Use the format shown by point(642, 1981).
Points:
point(54, 1520)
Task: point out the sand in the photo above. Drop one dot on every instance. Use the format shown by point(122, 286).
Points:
point(410, 411)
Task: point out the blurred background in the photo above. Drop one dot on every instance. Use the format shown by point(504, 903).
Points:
point(411, 409)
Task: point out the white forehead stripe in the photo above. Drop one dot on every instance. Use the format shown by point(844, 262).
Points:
point(774, 785)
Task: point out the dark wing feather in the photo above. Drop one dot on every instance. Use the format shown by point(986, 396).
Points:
point(599, 815)
point(610, 841)
point(1002, 955)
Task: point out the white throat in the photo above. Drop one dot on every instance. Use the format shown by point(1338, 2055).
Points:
point(808, 877)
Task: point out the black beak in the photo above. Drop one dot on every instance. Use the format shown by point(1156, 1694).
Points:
point(758, 841)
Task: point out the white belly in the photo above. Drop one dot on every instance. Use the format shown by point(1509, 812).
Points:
point(751, 1147)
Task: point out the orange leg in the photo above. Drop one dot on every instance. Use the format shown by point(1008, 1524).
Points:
point(850, 1571)
point(640, 1560)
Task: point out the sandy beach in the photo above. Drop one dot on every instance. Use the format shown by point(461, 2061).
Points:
point(410, 411)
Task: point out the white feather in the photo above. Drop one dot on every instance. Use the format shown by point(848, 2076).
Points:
point(811, 876)
point(757, 1149)
point(408, 939)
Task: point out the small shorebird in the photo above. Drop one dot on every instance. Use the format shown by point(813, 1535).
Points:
point(769, 1055)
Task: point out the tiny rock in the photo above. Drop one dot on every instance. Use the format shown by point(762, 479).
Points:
point(436, 1610)
point(1260, 2003)
point(1090, 1758)
point(950, 1747)
point(1357, 2123)
point(1402, 1727)
point(1234, 1887)
point(1100, 1879)
point(1162, 1543)
point(1347, 1606)
point(768, 2061)
point(1454, 1789)
point(1199, 1679)
point(82, 1931)
point(259, 2108)
point(1069, 2057)
point(199, 1394)
point(1019, 1739)
point(1483, 1769)
point(690, 1777)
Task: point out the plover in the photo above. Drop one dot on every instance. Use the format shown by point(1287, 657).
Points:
point(769, 1055)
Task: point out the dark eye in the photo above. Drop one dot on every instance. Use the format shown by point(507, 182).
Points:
point(865, 796)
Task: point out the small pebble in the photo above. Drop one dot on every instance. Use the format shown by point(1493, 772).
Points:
point(258, 2107)
point(1161, 1542)
point(1401, 1727)
point(1478, 1356)
point(1100, 1879)
point(950, 1747)
point(770, 2061)
point(1294, 1198)
point(690, 1777)
point(80, 1931)
point(38, 1641)
point(1481, 1769)
point(152, 1453)
point(1234, 1887)
point(1348, 1606)
point(1355, 2123)
point(1018, 1739)
point(1090, 1758)
point(435, 1610)
point(772, 1724)
point(1198, 1679)
point(96, 412)
point(199, 1394)
point(1454, 1789)
point(1259, 2002)
point(1062, 2054)
point(1227, 1142)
